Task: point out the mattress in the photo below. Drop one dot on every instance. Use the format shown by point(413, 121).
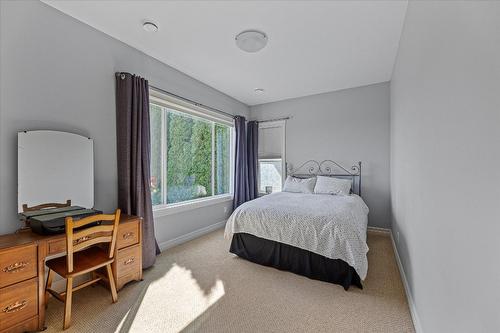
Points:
point(332, 226)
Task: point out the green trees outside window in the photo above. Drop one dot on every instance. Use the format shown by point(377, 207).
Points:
point(222, 156)
point(155, 120)
point(192, 153)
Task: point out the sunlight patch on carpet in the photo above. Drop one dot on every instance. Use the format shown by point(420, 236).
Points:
point(171, 303)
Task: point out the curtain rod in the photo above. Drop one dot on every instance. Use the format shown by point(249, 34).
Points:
point(275, 119)
point(192, 102)
point(199, 104)
point(182, 98)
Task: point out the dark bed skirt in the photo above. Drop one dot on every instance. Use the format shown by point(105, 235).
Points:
point(293, 259)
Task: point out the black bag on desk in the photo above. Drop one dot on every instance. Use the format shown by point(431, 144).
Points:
point(53, 221)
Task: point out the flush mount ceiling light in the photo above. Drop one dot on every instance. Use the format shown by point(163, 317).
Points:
point(259, 90)
point(150, 26)
point(251, 40)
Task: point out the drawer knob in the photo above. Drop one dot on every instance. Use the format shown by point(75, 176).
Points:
point(129, 261)
point(15, 267)
point(15, 307)
point(128, 235)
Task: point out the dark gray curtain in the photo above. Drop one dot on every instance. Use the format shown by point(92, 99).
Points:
point(134, 157)
point(241, 168)
point(252, 157)
point(245, 176)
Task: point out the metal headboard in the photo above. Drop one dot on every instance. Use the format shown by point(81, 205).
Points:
point(328, 168)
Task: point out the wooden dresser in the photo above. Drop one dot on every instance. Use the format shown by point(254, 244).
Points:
point(22, 271)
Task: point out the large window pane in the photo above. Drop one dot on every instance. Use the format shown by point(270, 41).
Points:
point(189, 157)
point(221, 156)
point(156, 116)
point(270, 174)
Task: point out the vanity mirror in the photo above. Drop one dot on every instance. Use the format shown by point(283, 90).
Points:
point(55, 178)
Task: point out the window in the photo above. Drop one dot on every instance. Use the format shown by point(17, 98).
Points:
point(271, 156)
point(270, 174)
point(190, 153)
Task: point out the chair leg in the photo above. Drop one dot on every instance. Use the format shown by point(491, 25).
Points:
point(48, 285)
point(112, 285)
point(92, 277)
point(67, 303)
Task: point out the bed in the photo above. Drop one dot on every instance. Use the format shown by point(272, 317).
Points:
point(320, 236)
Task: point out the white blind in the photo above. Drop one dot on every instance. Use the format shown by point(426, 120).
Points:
point(270, 142)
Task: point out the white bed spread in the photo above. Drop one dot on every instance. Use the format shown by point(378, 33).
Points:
point(333, 226)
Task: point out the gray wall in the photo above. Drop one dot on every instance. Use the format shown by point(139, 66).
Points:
point(58, 73)
point(347, 126)
point(445, 162)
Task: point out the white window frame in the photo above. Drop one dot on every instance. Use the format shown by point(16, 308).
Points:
point(195, 111)
point(275, 124)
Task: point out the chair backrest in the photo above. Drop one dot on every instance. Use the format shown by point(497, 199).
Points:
point(79, 238)
point(45, 206)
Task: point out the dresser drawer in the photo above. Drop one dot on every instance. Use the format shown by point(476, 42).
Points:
point(128, 261)
point(123, 280)
point(17, 264)
point(18, 302)
point(128, 234)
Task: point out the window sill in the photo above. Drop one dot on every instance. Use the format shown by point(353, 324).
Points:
point(169, 209)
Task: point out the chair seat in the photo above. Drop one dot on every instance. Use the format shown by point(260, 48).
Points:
point(83, 261)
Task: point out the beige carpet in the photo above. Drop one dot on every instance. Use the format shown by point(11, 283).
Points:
point(200, 287)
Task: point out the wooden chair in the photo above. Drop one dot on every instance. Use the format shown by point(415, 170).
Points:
point(85, 254)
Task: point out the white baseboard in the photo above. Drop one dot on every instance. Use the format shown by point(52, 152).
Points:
point(409, 297)
point(190, 236)
point(379, 229)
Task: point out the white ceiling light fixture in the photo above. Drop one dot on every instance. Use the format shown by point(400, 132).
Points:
point(150, 26)
point(259, 90)
point(251, 40)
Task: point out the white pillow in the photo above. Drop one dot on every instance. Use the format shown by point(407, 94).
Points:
point(299, 185)
point(331, 185)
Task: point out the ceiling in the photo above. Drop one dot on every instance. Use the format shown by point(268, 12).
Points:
point(313, 47)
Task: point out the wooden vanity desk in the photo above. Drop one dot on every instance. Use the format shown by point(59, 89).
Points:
point(22, 271)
